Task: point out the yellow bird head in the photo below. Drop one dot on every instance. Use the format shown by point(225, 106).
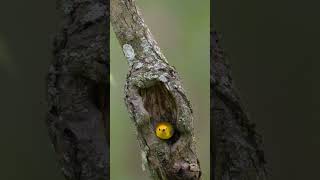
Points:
point(164, 130)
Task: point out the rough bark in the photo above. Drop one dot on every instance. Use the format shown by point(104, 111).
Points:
point(236, 150)
point(153, 93)
point(78, 90)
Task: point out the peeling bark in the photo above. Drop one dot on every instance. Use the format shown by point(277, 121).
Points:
point(236, 148)
point(153, 93)
point(78, 90)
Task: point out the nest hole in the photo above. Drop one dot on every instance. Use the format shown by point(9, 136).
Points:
point(161, 106)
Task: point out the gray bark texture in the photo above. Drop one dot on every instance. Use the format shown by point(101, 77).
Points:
point(236, 149)
point(153, 93)
point(78, 90)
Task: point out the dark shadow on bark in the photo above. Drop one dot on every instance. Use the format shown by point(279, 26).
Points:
point(78, 90)
point(236, 148)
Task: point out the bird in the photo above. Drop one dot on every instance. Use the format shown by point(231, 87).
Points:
point(164, 130)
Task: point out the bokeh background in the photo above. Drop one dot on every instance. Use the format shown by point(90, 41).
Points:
point(182, 30)
point(273, 47)
point(26, 32)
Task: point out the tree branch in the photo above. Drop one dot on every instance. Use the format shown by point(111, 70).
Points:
point(78, 91)
point(153, 93)
point(237, 153)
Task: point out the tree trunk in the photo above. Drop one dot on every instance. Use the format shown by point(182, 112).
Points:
point(78, 90)
point(154, 93)
point(236, 150)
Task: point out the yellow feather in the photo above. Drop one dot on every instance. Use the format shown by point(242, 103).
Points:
point(164, 130)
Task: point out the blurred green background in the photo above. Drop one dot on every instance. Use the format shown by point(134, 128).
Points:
point(26, 32)
point(182, 30)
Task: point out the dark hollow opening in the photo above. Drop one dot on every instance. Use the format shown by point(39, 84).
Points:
point(161, 106)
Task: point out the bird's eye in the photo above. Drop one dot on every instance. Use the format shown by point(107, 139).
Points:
point(159, 129)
